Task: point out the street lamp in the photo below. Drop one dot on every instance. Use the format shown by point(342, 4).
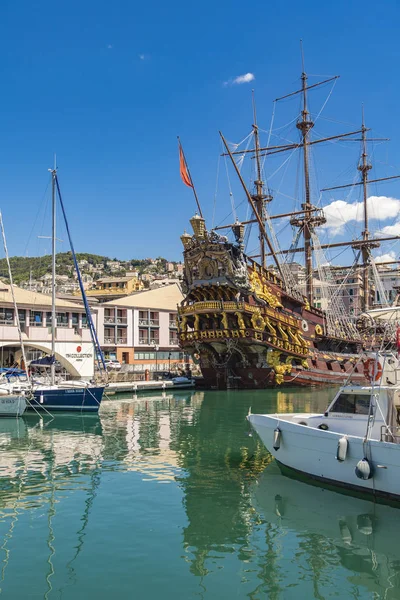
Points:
point(156, 348)
point(169, 363)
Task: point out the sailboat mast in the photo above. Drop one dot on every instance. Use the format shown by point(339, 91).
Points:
point(364, 167)
point(53, 273)
point(259, 197)
point(305, 125)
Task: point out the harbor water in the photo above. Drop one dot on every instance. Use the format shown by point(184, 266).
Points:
point(169, 496)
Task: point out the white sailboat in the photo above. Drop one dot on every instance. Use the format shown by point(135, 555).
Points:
point(77, 396)
point(13, 400)
point(67, 396)
point(355, 444)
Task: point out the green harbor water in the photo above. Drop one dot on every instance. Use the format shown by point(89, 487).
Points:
point(168, 496)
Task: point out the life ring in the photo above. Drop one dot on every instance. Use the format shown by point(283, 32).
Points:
point(304, 325)
point(318, 330)
point(372, 369)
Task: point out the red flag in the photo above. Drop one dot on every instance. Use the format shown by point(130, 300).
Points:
point(183, 169)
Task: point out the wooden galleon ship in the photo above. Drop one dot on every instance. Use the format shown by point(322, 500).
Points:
point(251, 326)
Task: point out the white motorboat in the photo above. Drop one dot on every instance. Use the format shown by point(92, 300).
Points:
point(354, 444)
point(183, 382)
point(12, 406)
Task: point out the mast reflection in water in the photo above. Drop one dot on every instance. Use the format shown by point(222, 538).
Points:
point(168, 496)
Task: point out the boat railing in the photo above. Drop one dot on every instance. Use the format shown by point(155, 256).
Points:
point(390, 434)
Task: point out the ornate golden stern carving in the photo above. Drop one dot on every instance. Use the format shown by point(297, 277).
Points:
point(257, 321)
point(262, 290)
point(273, 359)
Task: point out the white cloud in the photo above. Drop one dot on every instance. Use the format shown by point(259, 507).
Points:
point(246, 78)
point(340, 212)
point(390, 230)
point(142, 56)
point(109, 46)
point(389, 257)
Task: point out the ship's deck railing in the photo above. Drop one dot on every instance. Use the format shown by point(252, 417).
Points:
point(207, 305)
point(232, 306)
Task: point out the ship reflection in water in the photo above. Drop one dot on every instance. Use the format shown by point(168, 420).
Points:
point(172, 483)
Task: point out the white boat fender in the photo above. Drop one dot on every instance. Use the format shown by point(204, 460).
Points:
point(279, 509)
point(363, 469)
point(277, 439)
point(41, 400)
point(342, 448)
point(364, 524)
point(345, 532)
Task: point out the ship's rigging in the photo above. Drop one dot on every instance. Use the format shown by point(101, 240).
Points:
point(310, 217)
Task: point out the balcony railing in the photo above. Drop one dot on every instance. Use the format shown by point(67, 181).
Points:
point(173, 324)
point(144, 322)
point(173, 341)
point(144, 342)
point(34, 323)
point(154, 323)
point(109, 340)
point(121, 340)
point(113, 320)
point(6, 321)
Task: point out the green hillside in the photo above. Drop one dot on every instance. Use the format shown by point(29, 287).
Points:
point(24, 267)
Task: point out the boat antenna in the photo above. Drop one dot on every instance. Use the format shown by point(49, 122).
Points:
point(21, 341)
point(253, 206)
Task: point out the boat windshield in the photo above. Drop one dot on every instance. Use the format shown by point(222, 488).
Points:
point(352, 403)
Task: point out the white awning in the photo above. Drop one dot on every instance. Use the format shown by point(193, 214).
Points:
point(391, 313)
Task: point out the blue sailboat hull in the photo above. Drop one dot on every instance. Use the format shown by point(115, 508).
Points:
point(85, 399)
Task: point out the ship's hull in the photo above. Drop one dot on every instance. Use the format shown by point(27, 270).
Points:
point(86, 399)
point(230, 376)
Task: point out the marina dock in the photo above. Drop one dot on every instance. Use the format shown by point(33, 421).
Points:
point(123, 387)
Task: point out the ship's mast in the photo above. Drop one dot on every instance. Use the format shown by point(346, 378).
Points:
point(53, 275)
point(364, 167)
point(310, 219)
point(305, 125)
point(259, 197)
point(310, 216)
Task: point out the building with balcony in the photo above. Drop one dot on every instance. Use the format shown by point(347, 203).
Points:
point(111, 288)
point(141, 329)
point(390, 279)
point(74, 348)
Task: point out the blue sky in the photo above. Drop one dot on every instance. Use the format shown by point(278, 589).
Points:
point(109, 86)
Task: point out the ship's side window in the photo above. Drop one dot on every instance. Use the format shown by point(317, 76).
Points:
point(352, 403)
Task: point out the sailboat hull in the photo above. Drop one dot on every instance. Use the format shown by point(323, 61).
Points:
point(12, 406)
point(86, 399)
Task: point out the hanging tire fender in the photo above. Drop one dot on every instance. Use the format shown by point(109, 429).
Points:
point(277, 439)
